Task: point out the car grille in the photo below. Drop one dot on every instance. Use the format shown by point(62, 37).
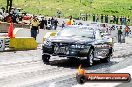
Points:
point(61, 48)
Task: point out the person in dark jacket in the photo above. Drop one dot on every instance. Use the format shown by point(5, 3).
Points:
point(42, 23)
point(102, 17)
point(117, 19)
point(94, 18)
point(106, 18)
point(119, 34)
point(52, 22)
point(121, 20)
point(45, 23)
point(55, 24)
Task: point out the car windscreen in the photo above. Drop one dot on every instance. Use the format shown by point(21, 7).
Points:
point(76, 32)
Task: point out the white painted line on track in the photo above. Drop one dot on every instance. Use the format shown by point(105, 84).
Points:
point(52, 84)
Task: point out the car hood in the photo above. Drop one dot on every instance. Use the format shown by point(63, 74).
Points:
point(69, 39)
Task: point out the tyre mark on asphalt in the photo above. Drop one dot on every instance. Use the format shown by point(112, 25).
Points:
point(69, 81)
point(32, 75)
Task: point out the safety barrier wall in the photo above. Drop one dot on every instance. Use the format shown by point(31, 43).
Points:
point(4, 26)
point(21, 43)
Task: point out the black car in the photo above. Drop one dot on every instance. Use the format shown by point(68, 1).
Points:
point(78, 43)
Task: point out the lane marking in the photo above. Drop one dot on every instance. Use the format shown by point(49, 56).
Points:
point(52, 84)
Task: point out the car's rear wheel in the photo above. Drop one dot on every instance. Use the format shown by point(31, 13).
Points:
point(45, 58)
point(90, 57)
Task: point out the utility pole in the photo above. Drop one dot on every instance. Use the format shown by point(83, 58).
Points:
point(9, 5)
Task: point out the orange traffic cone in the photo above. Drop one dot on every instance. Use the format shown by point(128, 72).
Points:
point(10, 30)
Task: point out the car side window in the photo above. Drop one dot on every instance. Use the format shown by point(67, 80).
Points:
point(97, 35)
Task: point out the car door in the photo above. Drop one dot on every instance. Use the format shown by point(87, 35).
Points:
point(101, 47)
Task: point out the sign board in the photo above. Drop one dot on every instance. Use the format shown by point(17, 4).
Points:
point(7, 42)
point(2, 44)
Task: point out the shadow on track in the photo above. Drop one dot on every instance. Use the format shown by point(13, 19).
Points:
point(74, 64)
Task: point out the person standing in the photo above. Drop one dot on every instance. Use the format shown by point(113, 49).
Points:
point(114, 19)
point(127, 29)
point(117, 18)
point(102, 18)
point(121, 20)
point(42, 23)
point(97, 18)
point(93, 17)
point(49, 24)
point(106, 18)
point(119, 34)
point(9, 18)
point(125, 20)
point(1, 17)
point(45, 23)
point(35, 27)
point(55, 24)
point(128, 20)
point(63, 24)
point(52, 22)
point(111, 19)
point(14, 18)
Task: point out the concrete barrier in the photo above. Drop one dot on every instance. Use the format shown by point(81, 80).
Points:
point(23, 43)
point(21, 32)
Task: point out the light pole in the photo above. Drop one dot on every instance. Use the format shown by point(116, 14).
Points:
point(9, 5)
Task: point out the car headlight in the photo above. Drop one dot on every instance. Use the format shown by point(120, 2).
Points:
point(47, 42)
point(78, 46)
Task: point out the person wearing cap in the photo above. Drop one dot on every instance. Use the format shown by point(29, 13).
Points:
point(35, 27)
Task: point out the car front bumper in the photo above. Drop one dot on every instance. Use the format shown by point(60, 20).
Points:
point(69, 53)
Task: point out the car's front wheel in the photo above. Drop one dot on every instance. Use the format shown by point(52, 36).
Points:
point(45, 58)
point(108, 57)
point(81, 79)
point(90, 57)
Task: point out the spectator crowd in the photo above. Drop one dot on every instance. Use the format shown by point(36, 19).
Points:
point(122, 20)
point(16, 16)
